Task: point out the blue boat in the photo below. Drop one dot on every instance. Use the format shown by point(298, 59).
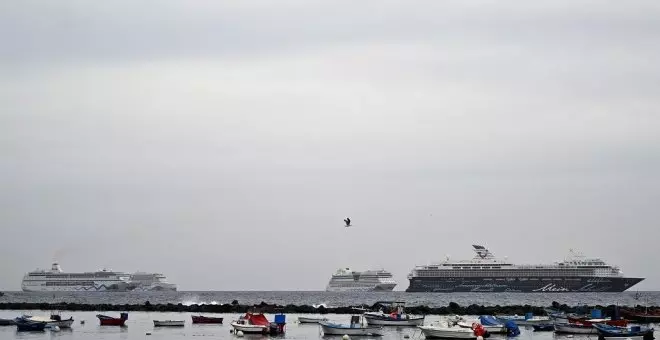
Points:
point(25, 325)
point(607, 331)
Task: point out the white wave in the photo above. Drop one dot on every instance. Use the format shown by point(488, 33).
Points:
point(197, 302)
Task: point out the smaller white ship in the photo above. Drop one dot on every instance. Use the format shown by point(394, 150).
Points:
point(150, 282)
point(346, 280)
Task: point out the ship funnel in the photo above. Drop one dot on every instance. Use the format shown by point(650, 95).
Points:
point(56, 268)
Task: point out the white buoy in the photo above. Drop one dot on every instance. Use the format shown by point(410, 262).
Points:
point(346, 337)
point(239, 334)
point(480, 337)
point(569, 336)
point(55, 328)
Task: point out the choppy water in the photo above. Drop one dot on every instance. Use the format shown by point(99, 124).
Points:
point(338, 299)
point(140, 323)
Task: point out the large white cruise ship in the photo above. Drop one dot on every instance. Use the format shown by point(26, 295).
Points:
point(346, 280)
point(56, 280)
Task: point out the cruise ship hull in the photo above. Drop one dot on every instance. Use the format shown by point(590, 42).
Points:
point(526, 285)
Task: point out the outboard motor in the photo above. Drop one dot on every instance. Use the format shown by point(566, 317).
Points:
point(511, 328)
point(123, 316)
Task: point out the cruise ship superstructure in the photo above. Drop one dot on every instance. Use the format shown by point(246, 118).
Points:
point(486, 273)
point(346, 280)
point(55, 280)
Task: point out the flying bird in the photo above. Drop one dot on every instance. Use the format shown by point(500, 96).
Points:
point(348, 222)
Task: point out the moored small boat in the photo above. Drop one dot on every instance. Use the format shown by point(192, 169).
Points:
point(169, 323)
point(527, 320)
point(110, 321)
point(575, 328)
point(311, 319)
point(548, 327)
point(445, 331)
point(354, 328)
point(252, 323)
point(53, 320)
point(7, 322)
point(206, 319)
point(490, 324)
point(646, 316)
point(591, 322)
point(27, 325)
point(606, 331)
point(392, 314)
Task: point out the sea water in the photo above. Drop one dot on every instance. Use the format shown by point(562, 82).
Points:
point(334, 299)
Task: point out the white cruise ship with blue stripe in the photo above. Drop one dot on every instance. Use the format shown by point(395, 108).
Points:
point(346, 280)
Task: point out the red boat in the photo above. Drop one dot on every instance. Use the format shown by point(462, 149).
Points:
point(591, 322)
point(110, 321)
point(647, 316)
point(205, 319)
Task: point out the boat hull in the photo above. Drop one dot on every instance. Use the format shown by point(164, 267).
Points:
point(169, 323)
point(251, 329)
point(624, 332)
point(379, 287)
point(31, 326)
point(526, 322)
point(206, 320)
point(52, 323)
point(385, 321)
point(332, 329)
point(110, 321)
point(526, 285)
point(641, 316)
point(7, 322)
point(575, 329)
point(432, 332)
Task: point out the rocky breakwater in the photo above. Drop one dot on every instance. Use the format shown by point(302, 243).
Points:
point(235, 307)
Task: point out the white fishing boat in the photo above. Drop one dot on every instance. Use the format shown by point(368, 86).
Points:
point(355, 328)
point(382, 319)
point(169, 323)
point(442, 331)
point(392, 314)
point(252, 323)
point(311, 319)
point(574, 328)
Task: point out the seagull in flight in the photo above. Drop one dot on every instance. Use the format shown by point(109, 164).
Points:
point(348, 222)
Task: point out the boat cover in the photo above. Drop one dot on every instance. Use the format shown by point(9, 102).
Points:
point(511, 328)
point(256, 319)
point(489, 320)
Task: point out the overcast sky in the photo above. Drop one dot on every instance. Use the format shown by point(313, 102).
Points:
point(223, 143)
